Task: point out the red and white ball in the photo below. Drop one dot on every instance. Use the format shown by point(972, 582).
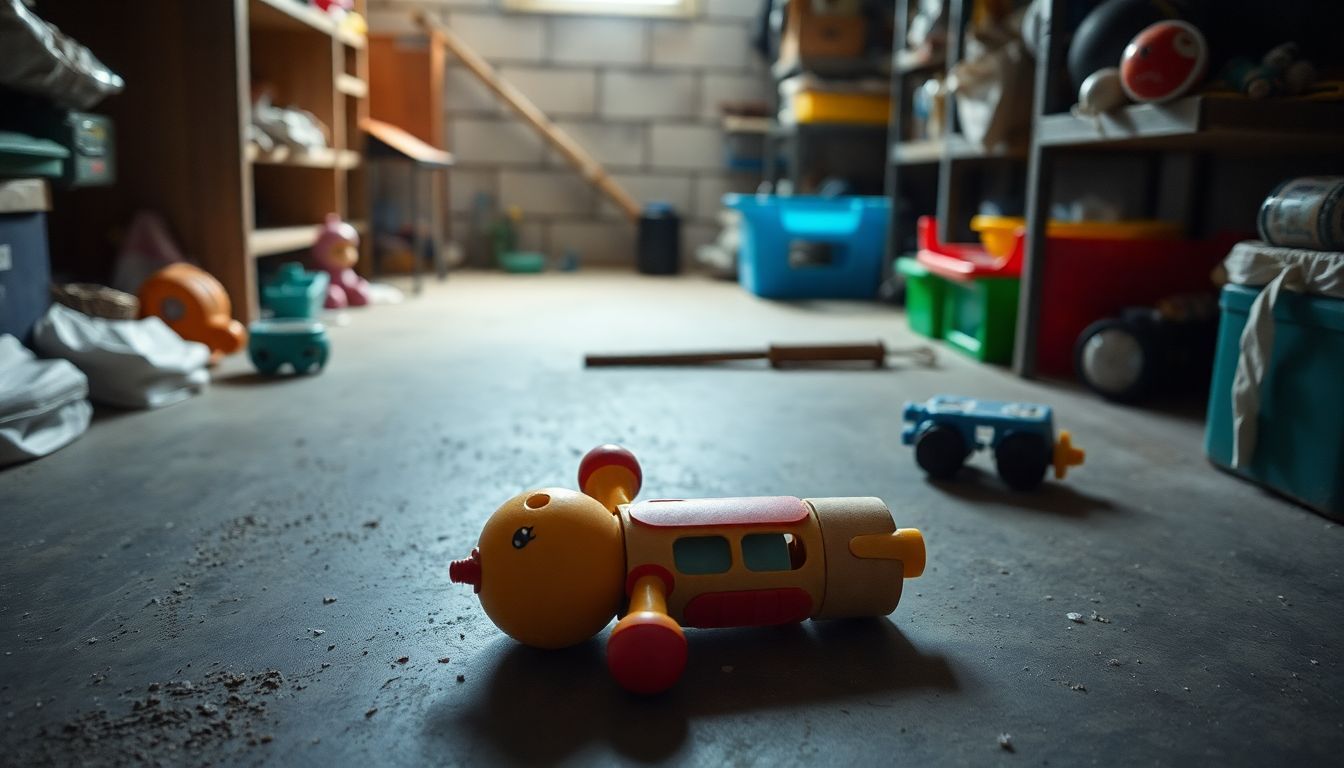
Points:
point(1163, 62)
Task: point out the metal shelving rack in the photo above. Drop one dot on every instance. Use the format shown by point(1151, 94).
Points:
point(950, 155)
point(1202, 126)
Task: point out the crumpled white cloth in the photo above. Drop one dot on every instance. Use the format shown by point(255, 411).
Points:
point(1278, 269)
point(130, 363)
point(43, 403)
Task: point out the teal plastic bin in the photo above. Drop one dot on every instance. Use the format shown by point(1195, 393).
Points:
point(805, 247)
point(1299, 448)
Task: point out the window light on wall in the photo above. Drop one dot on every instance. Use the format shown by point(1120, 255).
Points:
point(672, 8)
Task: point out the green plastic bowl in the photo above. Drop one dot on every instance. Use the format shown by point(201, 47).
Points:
point(522, 261)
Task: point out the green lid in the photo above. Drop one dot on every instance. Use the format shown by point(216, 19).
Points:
point(24, 155)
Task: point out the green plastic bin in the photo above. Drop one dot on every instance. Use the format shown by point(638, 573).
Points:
point(980, 317)
point(923, 297)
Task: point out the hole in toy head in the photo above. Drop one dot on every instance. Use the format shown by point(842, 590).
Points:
point(537, 500)
point(172, 309)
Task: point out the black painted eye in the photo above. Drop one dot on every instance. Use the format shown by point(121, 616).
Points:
point(522, 536)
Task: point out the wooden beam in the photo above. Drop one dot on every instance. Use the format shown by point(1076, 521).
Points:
point(587, 166)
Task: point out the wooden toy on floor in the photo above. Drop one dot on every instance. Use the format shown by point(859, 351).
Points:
point(553, 565)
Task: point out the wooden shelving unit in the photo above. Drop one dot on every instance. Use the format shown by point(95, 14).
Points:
point(181, 124)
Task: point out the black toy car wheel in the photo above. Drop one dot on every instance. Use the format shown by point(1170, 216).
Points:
point(1021, 459)
point(940, 451)
point(1115, 359)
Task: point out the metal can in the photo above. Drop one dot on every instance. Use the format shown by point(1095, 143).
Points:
point(1306, 212)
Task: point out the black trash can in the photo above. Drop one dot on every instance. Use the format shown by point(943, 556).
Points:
point(659, 247)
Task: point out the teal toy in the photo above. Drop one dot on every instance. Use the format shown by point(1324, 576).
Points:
point(294, 292)
point(301, 343)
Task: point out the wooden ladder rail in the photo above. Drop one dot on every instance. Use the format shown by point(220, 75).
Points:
point(587, 166)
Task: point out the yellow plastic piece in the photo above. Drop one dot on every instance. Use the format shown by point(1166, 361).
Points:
point(565, 583)
point(999, 233)
point(1066, 455)
point(824, 107)
point(612, 486)
point(906, 545)
point(647, 595)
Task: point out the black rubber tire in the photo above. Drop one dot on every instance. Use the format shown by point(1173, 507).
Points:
point(1140, 381)
point(940, 452)
point(1022, 459)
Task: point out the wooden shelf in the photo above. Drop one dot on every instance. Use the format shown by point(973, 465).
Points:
point(352, 86)
point(745, 124)
point(917, 152)
point(783, 130)
point(318, 158)
point(923, 151)
point(351, 39)
point(1203, 123)
point(272, 240)
point(289, 15)
point(296, 17)
point(958, 148)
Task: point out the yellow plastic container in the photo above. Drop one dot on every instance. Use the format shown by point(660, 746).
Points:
point(999, 233)
point(823, 107)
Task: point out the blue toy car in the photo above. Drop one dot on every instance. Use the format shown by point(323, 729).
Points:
point(947, 429)
point(301, 343)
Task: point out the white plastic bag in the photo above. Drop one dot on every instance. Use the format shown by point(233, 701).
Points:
point(993, 94)
point(43, 405)
point(130, 363)
point(1277, 269)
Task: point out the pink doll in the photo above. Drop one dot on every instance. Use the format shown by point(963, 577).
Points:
point(336, 251)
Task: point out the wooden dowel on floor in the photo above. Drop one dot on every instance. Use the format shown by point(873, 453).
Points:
point(779, 355)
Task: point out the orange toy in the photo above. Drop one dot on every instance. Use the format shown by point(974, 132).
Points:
point(195, 305)
point(554, 566)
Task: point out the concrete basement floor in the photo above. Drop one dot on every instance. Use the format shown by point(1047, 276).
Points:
point(171, 560)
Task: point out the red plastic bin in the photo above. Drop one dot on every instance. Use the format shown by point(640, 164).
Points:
point(1086, 280)
point(959, 261)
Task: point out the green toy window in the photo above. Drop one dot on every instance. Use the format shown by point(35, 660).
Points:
point(696, 555)
point(772, 552)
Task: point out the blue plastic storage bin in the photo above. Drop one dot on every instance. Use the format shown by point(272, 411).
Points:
point(1299, 450)
point(25, 273)
point(811, 247)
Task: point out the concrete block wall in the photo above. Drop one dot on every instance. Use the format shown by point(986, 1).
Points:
point(641, 95)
